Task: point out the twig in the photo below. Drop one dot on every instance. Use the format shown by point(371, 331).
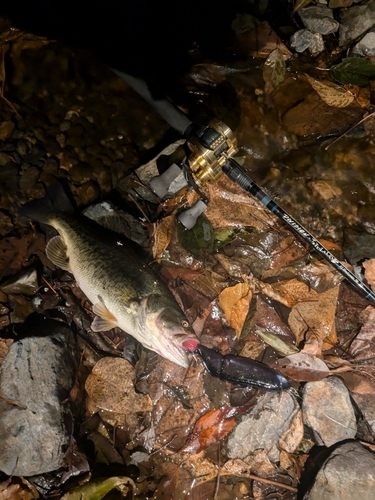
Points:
point(12, 402)
point(48, 284)
point(351, 128)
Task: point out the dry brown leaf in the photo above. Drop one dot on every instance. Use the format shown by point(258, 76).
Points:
point(17, 488)
point(316, 318)
point(110, 387)
point(369, 266)
point(358, 382)
point(294, 291)
point(291, 439)
point(233, 207)
point(362, 349)
point(4, 348)
point(162, 236)
point(332, 94)
point(235, 302)
point(302, 367)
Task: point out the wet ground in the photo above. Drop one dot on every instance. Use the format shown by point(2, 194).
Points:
point(65, 115)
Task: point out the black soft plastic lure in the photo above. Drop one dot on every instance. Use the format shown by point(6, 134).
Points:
point(238, 369)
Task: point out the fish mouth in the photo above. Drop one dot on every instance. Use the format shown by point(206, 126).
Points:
point(170, 345)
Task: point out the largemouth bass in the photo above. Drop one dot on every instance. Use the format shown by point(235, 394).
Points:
point(124, 290)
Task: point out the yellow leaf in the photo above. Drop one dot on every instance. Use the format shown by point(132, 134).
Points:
point(235, 302)
point(332, 94)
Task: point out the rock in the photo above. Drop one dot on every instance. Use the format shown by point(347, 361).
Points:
point(6, 130)
point(319, 19)
point(349, 472)
point(25, 282)
point(304, 39)
point(358, 245)
point(264, 426)
point(328, 412)
point(366, 405)
point(37, 374)
point(365, 47)
point(355, 21)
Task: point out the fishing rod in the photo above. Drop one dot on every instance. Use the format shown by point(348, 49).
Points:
point(212, 150)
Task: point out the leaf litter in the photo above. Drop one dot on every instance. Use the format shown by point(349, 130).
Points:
point(238, 272)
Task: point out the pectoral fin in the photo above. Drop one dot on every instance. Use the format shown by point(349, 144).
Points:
point(57, 253)
point(104, 319)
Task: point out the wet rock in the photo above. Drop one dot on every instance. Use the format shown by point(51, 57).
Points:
point(366, 405)
point(25, 282)
point(355, 21)
point(6, 130)
point(304, 39)
point(37, 375)
point(349, 472)
point(319, 19)
point(366, 47)
point(264, 426)
point(328, 412)
point(358, 245)
point(29, 179)
point(88, 192)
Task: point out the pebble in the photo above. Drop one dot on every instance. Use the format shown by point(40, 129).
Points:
point(319, 19)
point(269, 420)
point(365, 47)
point(38, 372)
point(304, 39)
point(6, 130)
point(328, 412)
point(355, 21)
point(349, 472)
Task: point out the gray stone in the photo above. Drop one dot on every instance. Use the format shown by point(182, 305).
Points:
point(319, 19)
point(349, 472)
point(365, 47)
point(264, 426)
point(328, 411)
point(355, 21)
point(304, 39)
point(366, 405)
point(37, 374)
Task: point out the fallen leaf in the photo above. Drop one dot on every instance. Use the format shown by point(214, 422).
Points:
point(330, 245)
point(362, 348)
point(302, 367)
point(212, 427)
point(162, 236)
point(332, 94)
point(235, 302)
point(199, 240)
point(98, 489)
point(354, 70)
point(110, 387)
point(291, 439)
point(274, 70)
point(358, 382)
point(258, 39)
point(312, 115)
point(233, 207)
point(369, 266)
point(281, 347)
point(316, 318)
point(17, 488)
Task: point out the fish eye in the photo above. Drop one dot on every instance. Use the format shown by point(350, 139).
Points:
point(184, 323)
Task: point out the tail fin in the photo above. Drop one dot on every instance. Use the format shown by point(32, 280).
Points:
point(44, 209)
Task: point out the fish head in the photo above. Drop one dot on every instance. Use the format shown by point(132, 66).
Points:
point(163, 328)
